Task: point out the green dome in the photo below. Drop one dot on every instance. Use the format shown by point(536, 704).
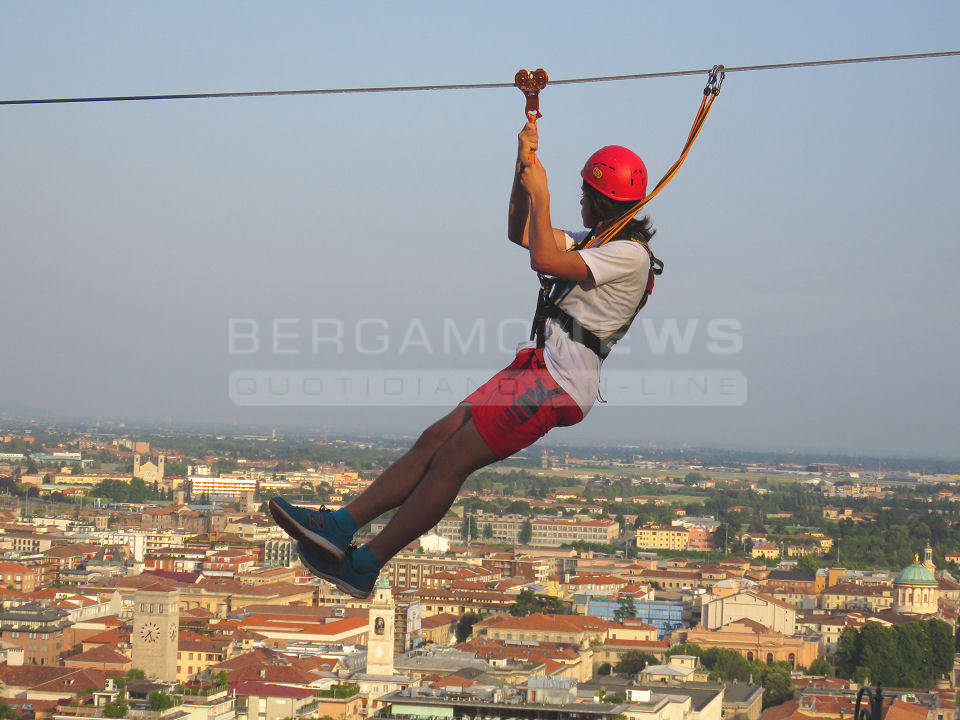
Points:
point(382, 583)
point(916, 574)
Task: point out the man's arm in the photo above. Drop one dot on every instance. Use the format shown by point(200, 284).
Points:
point(518, 214)
point(546, 255)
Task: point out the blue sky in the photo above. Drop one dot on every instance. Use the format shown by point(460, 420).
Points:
point(817, 209)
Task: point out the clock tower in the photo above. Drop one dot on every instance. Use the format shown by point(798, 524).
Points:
point(156, 624)
point(380, 630)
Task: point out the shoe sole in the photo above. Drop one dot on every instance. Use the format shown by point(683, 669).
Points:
point(340, 584)
point(291, 527)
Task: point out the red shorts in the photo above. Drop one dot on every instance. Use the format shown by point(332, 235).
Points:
point(520, 404)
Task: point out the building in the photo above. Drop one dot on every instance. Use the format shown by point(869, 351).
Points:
point(273, 701)
point(380, 631)
point(662, 537)
point(101, 658)
point(765, 550)
point(17, 576)
point(177, 516)
point(664, 613)
point(234, 486)
point(677, 669)
point(41, 630)
point(756, 641)
point(545, 531)
point(196, 653)
point(280, 552)
point(554, 533)
point(229, 562)
point(577, 630)
point(413, 703)
point(282, 629)
point(857, 596)
point(222, 596)
point(150, 473)
point(155, 631)
point(758, 607)
point(916, 589)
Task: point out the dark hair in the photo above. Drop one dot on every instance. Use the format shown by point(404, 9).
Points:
point(604, 209)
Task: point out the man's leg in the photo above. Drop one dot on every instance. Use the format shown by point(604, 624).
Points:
point(397, 482)
point(463, 453)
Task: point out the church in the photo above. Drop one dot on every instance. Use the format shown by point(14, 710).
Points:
point(150, 473)
point(917, 589)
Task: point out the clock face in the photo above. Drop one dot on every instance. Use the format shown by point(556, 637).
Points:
point(150, 633)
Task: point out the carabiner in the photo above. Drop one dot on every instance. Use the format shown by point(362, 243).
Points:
point(715, 80)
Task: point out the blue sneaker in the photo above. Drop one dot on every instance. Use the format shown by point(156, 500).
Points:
point(342, 573)
point(316, 527)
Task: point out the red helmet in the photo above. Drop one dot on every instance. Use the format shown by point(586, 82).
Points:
point(616, 172)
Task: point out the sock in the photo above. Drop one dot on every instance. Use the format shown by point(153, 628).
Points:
point(345, 521)
point(365, 561)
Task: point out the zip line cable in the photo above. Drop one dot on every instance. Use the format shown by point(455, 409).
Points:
point(476, 86)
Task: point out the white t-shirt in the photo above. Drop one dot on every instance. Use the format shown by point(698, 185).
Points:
point(619, 270)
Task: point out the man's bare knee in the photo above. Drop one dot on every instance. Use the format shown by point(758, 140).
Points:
point(462, 453)
point(437, 434)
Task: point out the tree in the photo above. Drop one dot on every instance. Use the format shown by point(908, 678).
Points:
point(913, 654)
point(468, 530)
point(626, 608)
point(526, 532)
point(941, 644)
point(848, 652)
point(777, 687)
point(604, 669)
point(528, 602)
point(7, 712)
point(135, 674)
point(517, 507)
point(487, 531)
point(115, 710)
point(821, 667)
point(220, 679)
point(726, 664)
point(159, 701)
point(465, 625)
point(633, 662)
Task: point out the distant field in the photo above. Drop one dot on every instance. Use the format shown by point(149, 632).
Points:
point(582, 472)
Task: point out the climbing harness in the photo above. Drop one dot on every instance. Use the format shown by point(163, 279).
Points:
point(554, 290)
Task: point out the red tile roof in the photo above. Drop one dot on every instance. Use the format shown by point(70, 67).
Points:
point(547, 623)
point(653, 644)
point(101, 655)
point(438, 620)
point(263, 622)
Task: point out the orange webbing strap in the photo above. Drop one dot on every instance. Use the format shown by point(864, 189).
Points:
point(710, 92)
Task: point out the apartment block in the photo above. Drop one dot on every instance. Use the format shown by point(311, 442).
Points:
point(662, 537)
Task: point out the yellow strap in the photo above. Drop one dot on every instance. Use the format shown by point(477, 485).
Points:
point(608, 233)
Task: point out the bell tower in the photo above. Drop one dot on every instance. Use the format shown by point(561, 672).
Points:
point(156, 621)
point(380, 630)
